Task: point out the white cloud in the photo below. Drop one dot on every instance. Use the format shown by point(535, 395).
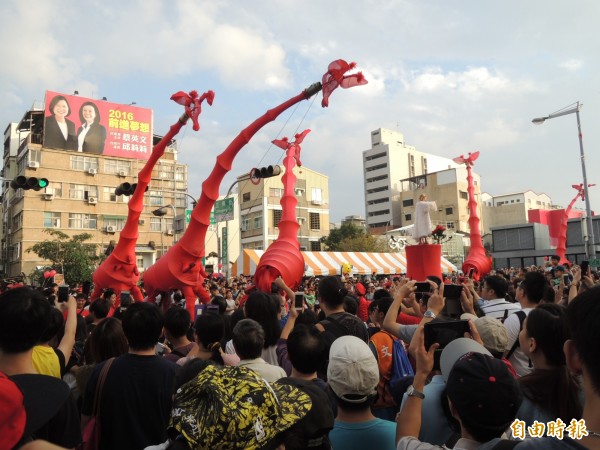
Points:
point(572, 64)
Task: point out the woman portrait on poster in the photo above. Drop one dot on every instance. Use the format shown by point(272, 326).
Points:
point(59, 132)
point(422, 227)
point(91, 136)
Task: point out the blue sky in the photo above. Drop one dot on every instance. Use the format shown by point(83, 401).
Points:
point(453, 77)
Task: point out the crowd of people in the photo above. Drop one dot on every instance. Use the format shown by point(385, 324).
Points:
point(339, 362)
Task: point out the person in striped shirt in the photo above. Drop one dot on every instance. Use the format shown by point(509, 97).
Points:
point(493, 302)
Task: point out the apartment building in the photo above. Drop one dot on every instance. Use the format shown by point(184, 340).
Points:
point(261, 211)
point(388, 161)
point(80, 196)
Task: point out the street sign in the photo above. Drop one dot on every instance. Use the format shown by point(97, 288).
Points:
point(224, 252)
point(595, 263)
point(224, 209)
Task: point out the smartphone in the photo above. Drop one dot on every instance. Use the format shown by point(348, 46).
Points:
point(63, 293)
point(585, 265)
point(298, 300)
point(443, 332)
point(422, 286)
point(160, 349)
point(125, 298)
point(566, 279)
point(471, 272)
point(453, 290)
point(274, 288)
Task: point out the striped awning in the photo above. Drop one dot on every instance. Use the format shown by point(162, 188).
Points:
point(330, 263)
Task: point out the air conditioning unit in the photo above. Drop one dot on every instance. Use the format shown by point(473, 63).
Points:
point(92, 171)
point(92, 200)
point(141, 222)
point(33, 165)
point(48, 196)
point(111, 229)
point(317, 202)
point(122, 173)
point(49, 190)
point(170, 232)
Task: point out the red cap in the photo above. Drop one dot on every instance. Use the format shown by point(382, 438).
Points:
point(12, 413)
point(388, 284)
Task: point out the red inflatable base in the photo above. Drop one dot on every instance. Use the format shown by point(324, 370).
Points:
point(423, 261)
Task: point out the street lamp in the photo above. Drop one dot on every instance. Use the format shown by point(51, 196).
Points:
point(590, 245)
point(160, 212)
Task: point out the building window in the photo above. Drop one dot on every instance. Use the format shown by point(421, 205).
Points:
point(245, 224)
point(463, 195)
point(246, 197)
point(17, 221)
point(450, 225)
point(408, 202)
point(378, 178)
point(51, 219)
point(116, 223)
point(156, 198)
point(56, 189)
point(315, 246)
point(315, 221)
point(87, 221)
point(35, 155)
point(449, 211)
point(407, 216)
point(115, 166)
point(317, 196)
point(83, 163)
point(518, 200)
point(155, 224)
point(82, 191)
point(258, 222)
point(108, 195)
point(275, 192)
point(277, 214)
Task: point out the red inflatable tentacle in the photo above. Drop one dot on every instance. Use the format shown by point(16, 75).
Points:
point(477, 257)
point(561, 246)
point(181, 265)
point(283, 257)
point(119, 270)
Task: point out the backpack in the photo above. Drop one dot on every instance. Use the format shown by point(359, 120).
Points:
point(521, 315)
point(394, 374)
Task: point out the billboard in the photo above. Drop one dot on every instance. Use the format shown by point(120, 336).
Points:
point(99, 127)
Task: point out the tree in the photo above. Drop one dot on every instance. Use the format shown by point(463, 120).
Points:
point(350, 238)
point(72, 256)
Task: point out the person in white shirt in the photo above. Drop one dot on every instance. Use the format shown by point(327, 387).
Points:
point(529, 294)
point(493, 294)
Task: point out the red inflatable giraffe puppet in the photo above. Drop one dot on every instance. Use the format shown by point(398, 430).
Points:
point(477, 257)
point(181, 267)
point(119, 270)
point(561, 247)
point(283, 257)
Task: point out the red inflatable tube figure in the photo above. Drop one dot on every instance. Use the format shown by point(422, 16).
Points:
point(119, 270)
point(477, 258)
point(561, 247)
point(283, 257)
point(181, 267)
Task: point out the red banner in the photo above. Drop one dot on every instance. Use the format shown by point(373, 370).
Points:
point(85, 125)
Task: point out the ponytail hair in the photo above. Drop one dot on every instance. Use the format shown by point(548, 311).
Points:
point(331, 291)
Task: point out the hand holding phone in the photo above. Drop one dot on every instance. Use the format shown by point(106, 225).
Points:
point(63, 293)
point(298, 301)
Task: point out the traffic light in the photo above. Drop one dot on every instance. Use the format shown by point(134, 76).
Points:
point(264, 172)
point(127, 189)
point(26, 183)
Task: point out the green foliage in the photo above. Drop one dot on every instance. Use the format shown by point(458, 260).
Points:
point(72, 256)
point(350, 238)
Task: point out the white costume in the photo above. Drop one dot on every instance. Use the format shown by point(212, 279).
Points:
point(422, 226)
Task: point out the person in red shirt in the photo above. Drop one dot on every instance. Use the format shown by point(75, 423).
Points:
point(363, 303)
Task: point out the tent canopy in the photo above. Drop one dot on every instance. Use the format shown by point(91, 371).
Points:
point(330, 263)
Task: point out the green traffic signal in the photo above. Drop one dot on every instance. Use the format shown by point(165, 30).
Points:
point(26, 183)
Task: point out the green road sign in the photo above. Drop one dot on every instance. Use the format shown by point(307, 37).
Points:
point(595, 263)
point(224, 209)
point(224, 246)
